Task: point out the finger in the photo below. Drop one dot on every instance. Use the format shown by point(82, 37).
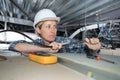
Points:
point(94, 47)
point(94, 41)
point(97, 40)
point(87, 40)
point(91, 41)
point(53, 50)
point(55, 45)
point(59, 46)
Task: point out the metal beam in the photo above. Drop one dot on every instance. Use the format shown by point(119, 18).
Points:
point(21, 10)
point(16, 21)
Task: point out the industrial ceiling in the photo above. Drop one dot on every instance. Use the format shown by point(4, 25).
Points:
point(73, 13)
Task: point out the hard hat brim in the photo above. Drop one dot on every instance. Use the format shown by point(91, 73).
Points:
point(51, 18)
point(48, 19)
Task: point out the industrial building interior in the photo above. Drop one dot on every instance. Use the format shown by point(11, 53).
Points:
point(79, 19)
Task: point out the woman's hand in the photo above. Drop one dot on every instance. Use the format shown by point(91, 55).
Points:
point(93, 43)
point(55, 47)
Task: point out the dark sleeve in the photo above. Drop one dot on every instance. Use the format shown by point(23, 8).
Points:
point(77, 47)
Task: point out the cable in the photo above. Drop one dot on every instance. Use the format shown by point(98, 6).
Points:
point(18, 32)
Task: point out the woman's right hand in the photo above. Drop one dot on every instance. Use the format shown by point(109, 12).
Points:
point(55, 47)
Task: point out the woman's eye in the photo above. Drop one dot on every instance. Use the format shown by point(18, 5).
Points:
point(48, 26)
point(54, 27)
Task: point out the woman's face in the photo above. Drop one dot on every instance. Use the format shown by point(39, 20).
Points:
point(48, 30)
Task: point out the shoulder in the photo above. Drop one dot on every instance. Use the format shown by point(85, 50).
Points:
point(38, 41)
point(63, 39)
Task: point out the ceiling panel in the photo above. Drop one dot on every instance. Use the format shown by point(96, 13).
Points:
point(70, 11)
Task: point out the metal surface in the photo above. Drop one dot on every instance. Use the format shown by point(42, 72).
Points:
point(101, 70)
point(18, 67)
point(16, 21)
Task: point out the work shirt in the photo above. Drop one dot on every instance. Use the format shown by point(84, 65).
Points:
point(72, 48)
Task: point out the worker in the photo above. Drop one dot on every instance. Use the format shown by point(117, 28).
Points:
point(45, 25)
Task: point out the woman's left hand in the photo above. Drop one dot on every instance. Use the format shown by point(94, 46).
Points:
point(93, 43)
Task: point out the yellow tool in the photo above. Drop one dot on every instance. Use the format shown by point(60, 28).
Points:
point(50, 59)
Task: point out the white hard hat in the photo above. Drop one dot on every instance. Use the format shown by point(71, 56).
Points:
point(45, 14)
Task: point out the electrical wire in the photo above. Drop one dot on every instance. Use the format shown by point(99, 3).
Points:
point(19, 33)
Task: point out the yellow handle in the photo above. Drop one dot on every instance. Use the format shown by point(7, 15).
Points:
point(43, 59)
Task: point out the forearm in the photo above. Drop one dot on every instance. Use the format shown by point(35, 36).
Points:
point(24, 47)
